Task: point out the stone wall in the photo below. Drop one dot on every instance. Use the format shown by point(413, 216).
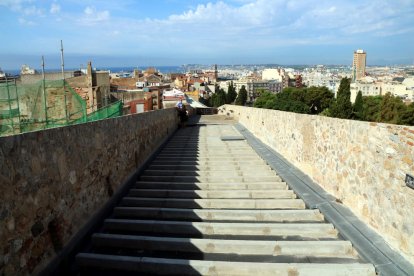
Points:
point(53, 181)
point(32, 79)
point(362, 164)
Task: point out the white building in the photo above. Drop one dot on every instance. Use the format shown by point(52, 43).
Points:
point(279, 75)
point(26, 70)
point(373, 88)
point(254, 86)
point(367, 89)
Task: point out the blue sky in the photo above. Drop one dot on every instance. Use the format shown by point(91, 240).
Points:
point(175, 32)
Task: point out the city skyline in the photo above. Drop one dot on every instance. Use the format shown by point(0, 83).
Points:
point(172, 32)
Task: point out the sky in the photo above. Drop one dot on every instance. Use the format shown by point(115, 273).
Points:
point(174, 32)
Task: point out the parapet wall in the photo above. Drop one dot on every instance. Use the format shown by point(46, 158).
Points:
point(363, 164)
point(53, 181)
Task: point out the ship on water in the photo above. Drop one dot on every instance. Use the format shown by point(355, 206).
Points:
point(2, 74)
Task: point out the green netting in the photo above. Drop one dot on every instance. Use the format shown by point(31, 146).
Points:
point(46, 104)
point(113, 110)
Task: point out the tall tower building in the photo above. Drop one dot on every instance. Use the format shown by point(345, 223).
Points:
point(359, 64)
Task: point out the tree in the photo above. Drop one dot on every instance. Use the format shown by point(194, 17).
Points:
point(391, 109)
point(264, 100)
point(371, 108)
point(358, 106)
point(407, 117)
point(291, 99)
point(242, 96)
point(317, 98)
point(311, 100)
point(219, 98)
point(342, 106)
point(231, 93)
point(259, 92)
point(204, 101)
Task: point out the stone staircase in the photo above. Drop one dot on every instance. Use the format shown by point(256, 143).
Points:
point(210, 206)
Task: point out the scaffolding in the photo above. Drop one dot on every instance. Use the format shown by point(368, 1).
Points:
point(46, 104)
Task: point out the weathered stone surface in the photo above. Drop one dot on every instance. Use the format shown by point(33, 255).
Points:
point(362, 164)
point(52, 181)
point(37, 228)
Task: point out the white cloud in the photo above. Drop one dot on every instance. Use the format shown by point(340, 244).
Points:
point(241, 25)
point(54, 8)
point(227, 26)
point(24, 22)
point(26, 10)
point(32, 11)
point(24, 7)
point(91, 16)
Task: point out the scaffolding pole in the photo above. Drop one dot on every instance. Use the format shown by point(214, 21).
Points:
point(10, 107)
point(44, 90)
point(63, 78)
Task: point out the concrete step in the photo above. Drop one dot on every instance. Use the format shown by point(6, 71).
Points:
point(217, 162)
point(209, 173)
point(211, 179)
point(202, 153)
point(208, 154)
point(216, 229)
point(297, 216)
point(217, 149)
point(213, 194)
point(211, 167)
point(213, 203)
point(162, 266)
point(210, 186)
point(200, 150)
point(331, 249)
point(209, 158)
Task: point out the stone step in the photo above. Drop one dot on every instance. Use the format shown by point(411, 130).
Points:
point(201, 152)
point(216, 229)
point(329, 249)
point(218, 149)
point(217, 162)
point(211, 179)
point(199, 267)
point(219, 215)
point(208, 158)
point(208, 154)
point(198, 150)
point(209, 143)
point(209, 173)
point(211, 186)
point(213, 203)
point(213, 194)
point(211, 167)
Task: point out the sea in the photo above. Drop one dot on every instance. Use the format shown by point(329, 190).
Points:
point(161, 69)
point(125, 69)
